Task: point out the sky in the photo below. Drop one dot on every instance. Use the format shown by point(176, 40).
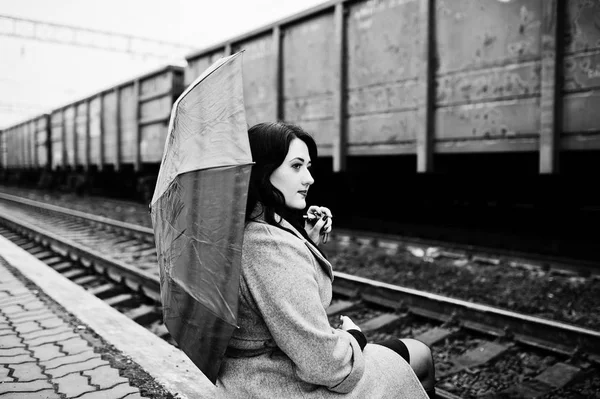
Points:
point(36, 77)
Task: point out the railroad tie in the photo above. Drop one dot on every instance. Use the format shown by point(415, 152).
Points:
point(141, 313)
point(54, 260)
point(85, 279)
point(435, 335)
point(118, 299)
point(476, 357)
point(554, 377)
point(340, 306)
point(102, 289)
point(74, 273)
point(382, 321)
point(59, 267)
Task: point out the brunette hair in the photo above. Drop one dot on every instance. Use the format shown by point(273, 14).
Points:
point(269, 144)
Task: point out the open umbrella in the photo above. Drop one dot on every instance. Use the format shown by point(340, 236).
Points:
point(198, 212)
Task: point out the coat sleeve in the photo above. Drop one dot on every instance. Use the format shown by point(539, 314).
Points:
point(280, 273)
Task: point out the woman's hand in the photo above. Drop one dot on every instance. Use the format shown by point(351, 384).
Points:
point(318, 223)
point(348, 324)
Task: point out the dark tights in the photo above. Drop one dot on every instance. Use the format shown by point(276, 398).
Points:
point(419, 356)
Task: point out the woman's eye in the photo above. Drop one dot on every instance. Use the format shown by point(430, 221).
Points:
point(297, 166)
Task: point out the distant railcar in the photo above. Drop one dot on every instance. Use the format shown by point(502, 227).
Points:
point(25, 149)
point(111, 141)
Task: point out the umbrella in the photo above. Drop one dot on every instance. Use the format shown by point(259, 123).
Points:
point(198, 211)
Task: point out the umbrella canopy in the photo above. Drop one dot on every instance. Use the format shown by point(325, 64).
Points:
point(198, 212)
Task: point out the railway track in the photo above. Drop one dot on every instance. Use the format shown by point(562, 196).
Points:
point(479, 350)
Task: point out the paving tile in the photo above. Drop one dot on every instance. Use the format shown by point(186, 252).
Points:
point(12, 309)
point(43, 394)
point(20, 358)
point(63, 360)
point(12, 352)
point(51, 338)
point(46, 351)
point(34, 305)
point(12, 288)
point(28, 312)
point(75, 346)
point(28, 372)
point(41, 332)
point(73, 385)
point(21, 290)
point(4, 370)
point(16, 299)
point(24, 328)
point(116, 392)
point(11, 341)
point(24, 387)
point(76, 367)
point(42, 357)
point(51, 322)
point(6, 331)
point(68, 342)
point(8, 284)
point(8, 278)
point(12, 301)
point(31, 315)
point(105, 376)
point(19, 293)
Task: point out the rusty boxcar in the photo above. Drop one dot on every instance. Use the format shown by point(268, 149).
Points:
point(451, 102)
point(376, 77)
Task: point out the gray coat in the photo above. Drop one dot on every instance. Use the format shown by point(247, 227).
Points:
point(284, 346)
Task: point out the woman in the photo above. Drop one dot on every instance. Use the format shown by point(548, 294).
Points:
point(284, 346)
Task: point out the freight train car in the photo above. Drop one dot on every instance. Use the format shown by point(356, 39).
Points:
point(111, 142)
point(26, 149)
point(423, 108)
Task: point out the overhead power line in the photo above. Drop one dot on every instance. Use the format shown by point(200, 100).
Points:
point(91, 38)
point(21, 107)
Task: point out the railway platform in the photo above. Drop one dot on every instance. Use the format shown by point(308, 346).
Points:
point(59, 341)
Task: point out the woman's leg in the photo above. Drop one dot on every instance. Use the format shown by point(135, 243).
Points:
point(421, 362)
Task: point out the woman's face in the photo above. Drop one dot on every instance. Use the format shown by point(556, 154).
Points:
point(292, 177)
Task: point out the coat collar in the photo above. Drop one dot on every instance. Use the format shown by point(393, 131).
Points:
point(288, 226)
point(324, 262)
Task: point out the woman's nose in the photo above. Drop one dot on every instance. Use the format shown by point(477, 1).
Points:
point(308, 179)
